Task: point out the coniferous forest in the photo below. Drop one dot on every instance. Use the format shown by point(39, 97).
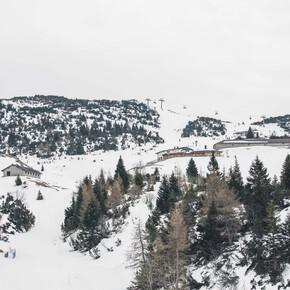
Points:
point(51, 125)
point(217, 223)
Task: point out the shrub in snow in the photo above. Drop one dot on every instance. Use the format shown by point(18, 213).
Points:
point(39, 196)
point(18, 181)
point(20, 219)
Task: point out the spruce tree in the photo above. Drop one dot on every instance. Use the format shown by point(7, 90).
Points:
point(162, 202)
point(156, 174)
point(258, 189)
point(277, 193)
point(212, 238)
point(91, 228)
point(229, 210)
point(236, 181)
point(266, 249)
point(173, 186)
point(250, 133)
point(39, 196)
point(121, 171)
point(18, 181)
point(138, 179)
point(191, 170)
point(102, 179)
point(213, 166)
point(92, 214)
point(20, 217)
point(285, 249)
point(70, 221)
point(101, 195)
point(285, 174)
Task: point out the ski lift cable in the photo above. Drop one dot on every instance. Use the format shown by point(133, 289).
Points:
point(214, 110)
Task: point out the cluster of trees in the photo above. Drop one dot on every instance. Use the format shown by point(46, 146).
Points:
point(197, 222)
point(48, 125)
point(19, 218)
point(99, 207)
point(204, 126)
point(250, 134)
point(282, 121)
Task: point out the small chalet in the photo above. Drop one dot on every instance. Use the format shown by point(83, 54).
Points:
point(185, 152)
point(21, 170)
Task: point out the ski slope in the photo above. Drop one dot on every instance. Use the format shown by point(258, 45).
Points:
point(44, 261)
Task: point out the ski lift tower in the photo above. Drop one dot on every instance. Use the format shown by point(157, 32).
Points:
point(148, 100)
point(263, 117)
point(161, 101)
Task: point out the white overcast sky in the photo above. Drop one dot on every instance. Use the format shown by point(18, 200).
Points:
point(221, 54)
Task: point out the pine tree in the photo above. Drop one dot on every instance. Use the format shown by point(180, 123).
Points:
point(285, 174)
point(91, 229)
point(236, 181)
point(285, 249)
point(92, 215)
point(191, 171)
point(156, 174)
point(102, 179)
point(175, 191)
point(258, 189)
point(266, 250)
point(121, 171)
point(138, 179)
point(101, 195)
point(277, 193)
point(18, 181)
point(39, 196)
point(79, 148)
point(213, 166)
point(250, 133)
point(71, 221)
point(271, 221)
point(162, 202)
point(221, 215)
point(212, 238)
point(20, 217)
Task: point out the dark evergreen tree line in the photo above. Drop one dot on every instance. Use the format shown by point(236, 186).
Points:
point(56, 125)
point(204, 126)
point(226, 210)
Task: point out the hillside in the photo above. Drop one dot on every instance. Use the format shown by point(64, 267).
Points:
point(52, 125)
point(41, 253)
point(282, 121)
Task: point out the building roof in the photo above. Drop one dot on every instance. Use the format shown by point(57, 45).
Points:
point(177, 149)
point(24, 168)
point(259, 141)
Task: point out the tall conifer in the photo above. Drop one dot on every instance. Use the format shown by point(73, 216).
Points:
point(121, 171)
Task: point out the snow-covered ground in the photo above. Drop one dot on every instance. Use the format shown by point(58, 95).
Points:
point(43, 261)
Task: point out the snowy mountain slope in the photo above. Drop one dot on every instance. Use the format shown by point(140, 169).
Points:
point(51, 125)
point(44, 261)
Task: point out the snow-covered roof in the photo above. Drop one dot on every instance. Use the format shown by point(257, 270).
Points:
point(28, 169)
point(176, 150)
point(256, 141)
